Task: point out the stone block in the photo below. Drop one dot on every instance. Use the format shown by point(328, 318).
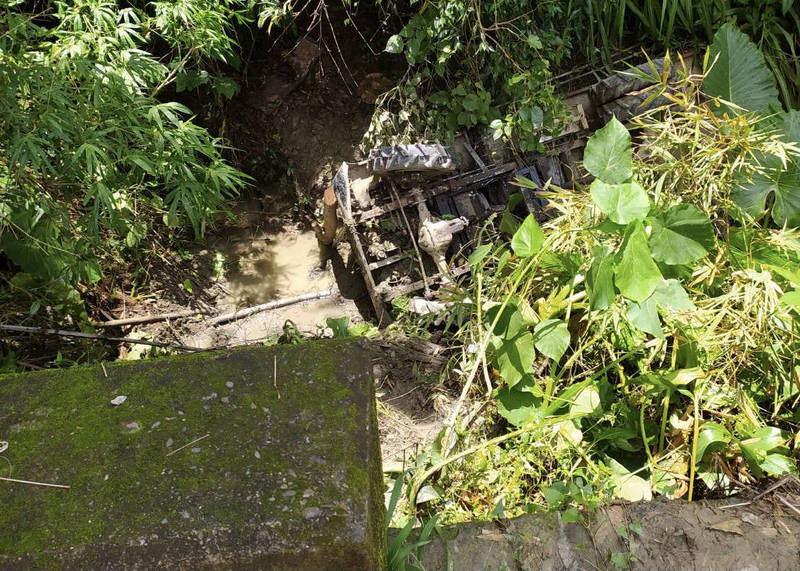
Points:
point(212, 461)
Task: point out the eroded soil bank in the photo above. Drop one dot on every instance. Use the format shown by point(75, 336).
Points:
point(762, 535)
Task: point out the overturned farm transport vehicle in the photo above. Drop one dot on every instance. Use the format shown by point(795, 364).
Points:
point(411, 211)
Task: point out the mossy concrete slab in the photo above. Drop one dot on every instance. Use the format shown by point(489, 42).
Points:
point(278, 472)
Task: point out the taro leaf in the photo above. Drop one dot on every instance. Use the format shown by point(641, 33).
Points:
point(636, 274)
point(600, 279)
point(681, 235)
point(587, 401)
point(670, 294)
point(712, 437)
point(778, 465)
point(551, 337)
point(783, 183)
point(740, 75)
point(528, 239)
point(514, 357)
point(608, 155)
point(518, 407)
point(622, 203)
point(644, 316)
point(394, 45)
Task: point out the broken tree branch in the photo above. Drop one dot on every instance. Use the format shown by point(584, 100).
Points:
point(80, 334)
point(148, 318)
point(239, 314)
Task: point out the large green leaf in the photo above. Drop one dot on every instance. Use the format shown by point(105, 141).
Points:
point(778, 465)
point(636, 274)
point(739, 75)
point(518, 407)
point(528, 239)
point(600, 279)
point(644, 316)
point(712, 438)
point(681, 235)
point(514, 356)
point(622, 203)
point(551, 337)
point(774, 178)
point(608, 154)
point(784, 183)
point(670, 294)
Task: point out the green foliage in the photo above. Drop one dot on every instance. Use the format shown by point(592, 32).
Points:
point(738, 73)
point(647, 345)
point(484, 64)
point(403, 554)
point(774, 26)
point(90, 159)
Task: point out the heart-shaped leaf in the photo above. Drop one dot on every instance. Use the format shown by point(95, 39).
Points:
point(514, 356)
point(670, 294)
point(783, 183)
point(528, 239)
point(681, 235)
point(622, 203)
point(551, 337)
point(518, 407)
point(636, 274)
point(608, 154)
point(644, 316)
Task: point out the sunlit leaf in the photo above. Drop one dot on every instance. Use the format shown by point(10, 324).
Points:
point(551, 337)
point(711, 438)
point(608, 155)
point(636, 274)
point(622, 203)
point(739, 73)
point(528, 239)
point(644, 316)
point(670, 294)
point(681, 235)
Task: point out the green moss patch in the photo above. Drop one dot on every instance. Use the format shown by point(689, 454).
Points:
point(279, 472)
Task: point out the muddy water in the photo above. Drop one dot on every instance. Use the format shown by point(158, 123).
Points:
point(265, 268)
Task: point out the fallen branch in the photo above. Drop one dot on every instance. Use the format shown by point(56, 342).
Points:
point(239, 314)
point(80, 334)
point(148, 318)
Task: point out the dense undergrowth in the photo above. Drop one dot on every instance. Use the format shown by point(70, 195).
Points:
point(643, 339)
